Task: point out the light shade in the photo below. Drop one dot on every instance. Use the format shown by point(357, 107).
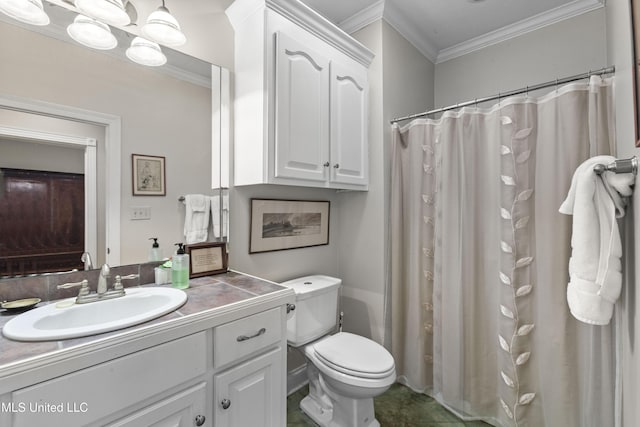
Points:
point(163, 28)
point(91, 33)
point(110, 11)
point(146, 52)
point(27, 11)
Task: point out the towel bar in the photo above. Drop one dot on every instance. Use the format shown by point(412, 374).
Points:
point(619, 166)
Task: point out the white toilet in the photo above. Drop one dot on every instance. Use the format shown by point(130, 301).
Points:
point(345, 371)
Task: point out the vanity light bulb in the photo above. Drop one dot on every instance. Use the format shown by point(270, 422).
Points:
point(91, 33)
point(146, 52)
point(27, 11)
point(163, 28)
point(110, 11)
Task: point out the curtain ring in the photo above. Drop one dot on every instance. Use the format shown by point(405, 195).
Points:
point(475, 101)
point(527, 92)
point(556, 85)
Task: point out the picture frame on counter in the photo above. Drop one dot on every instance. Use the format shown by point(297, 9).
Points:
point(206, 259)
point(288, 224)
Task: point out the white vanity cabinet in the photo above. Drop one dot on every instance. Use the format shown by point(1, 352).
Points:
point(301, 91)
point(222, 369)
point(162, 385)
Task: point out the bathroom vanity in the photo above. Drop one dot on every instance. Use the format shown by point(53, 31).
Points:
point(219, 360)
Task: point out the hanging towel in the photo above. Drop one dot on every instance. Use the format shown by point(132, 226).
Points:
point(196, 219)
point(595, 271)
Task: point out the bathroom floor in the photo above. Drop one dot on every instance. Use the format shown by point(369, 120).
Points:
point(397, 407)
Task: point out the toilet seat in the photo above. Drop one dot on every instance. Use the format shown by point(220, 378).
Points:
point(355, 356)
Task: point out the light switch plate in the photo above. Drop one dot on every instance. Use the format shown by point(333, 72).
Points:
point(140, 212)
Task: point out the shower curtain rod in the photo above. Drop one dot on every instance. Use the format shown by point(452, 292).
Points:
point(556, 82)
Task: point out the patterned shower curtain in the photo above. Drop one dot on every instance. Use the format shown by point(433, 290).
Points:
point(479, 261)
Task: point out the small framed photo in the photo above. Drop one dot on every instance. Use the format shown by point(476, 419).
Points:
point(148, 175)
point(207, 258)
point(287, 224)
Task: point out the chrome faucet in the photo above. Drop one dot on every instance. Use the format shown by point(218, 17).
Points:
point(102, 292)
point(86, 258)
point(105, 272)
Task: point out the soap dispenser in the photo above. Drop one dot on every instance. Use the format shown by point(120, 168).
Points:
point(180, 268)
point(155, 254)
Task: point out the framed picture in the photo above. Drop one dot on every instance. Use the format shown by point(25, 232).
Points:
point(148, 175)
point(207, 258)
point(635, 23)
point(287, 224)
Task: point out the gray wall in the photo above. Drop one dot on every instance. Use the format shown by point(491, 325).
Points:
point(569, 47)
point(619, 51)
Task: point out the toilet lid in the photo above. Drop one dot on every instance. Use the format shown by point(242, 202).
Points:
point(355, 355)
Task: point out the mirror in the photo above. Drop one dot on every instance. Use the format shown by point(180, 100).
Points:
point(56, 93)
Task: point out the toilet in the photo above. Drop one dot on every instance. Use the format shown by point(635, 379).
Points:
point(345, 371)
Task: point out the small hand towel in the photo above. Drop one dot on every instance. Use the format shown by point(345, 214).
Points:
point(196, 219)
point(595, 270)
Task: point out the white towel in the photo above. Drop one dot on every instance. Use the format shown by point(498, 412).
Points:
point(196, 218)
point(595, 268)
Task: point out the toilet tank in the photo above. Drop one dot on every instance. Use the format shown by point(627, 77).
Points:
point(316, 310)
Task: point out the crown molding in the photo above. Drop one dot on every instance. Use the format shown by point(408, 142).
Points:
point(536, 22)
point(363, 18)
point(394, 17)
point(307, 18)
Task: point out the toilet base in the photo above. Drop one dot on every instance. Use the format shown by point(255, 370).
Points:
point(327, 408)
point(325, 418)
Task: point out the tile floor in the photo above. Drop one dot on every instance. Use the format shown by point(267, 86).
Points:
point(397, 407)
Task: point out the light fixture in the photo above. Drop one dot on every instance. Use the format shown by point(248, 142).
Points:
point(163, 28)
point(109, 11)
point(27, 11)
point(91, 33)
point(145, 52)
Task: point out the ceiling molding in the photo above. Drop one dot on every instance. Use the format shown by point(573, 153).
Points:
point(536, 22)
point(394, 17)
point(363, 18)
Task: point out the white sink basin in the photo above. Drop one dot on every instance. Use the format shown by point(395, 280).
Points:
point(65, 319)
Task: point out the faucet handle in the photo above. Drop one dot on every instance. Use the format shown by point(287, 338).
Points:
point(118, 285)
point(84, 286)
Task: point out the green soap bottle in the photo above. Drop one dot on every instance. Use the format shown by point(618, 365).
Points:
point(180, 268)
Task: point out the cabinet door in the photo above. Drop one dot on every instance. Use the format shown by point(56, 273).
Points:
point(349, 143)
point(251, 394)
point(185, 409)
point(301, 111)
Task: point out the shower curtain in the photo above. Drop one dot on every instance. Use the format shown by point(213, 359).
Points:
point(479, 261)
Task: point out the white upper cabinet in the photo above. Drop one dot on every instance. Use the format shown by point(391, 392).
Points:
point(301, 98)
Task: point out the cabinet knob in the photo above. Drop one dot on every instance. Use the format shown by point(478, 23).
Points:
point(200, 419)
point(225, 403)
point(336, 166)
point(326, 164)
point(290, 307)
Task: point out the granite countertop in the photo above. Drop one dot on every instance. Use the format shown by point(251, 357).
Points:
point(203, 294)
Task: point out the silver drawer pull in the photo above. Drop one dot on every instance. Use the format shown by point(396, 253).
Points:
point(257, 334)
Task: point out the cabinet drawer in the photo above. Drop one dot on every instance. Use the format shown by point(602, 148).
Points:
point(91, 394)
point(242, 337)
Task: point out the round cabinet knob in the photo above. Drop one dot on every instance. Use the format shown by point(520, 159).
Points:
point(225, 403)
point(200, 419)
point(326, 164)
point(336, 166)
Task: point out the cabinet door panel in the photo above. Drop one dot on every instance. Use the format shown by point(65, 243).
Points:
point(251, 394)
point(349, 153)
point(179, 410)
point(302, 111)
